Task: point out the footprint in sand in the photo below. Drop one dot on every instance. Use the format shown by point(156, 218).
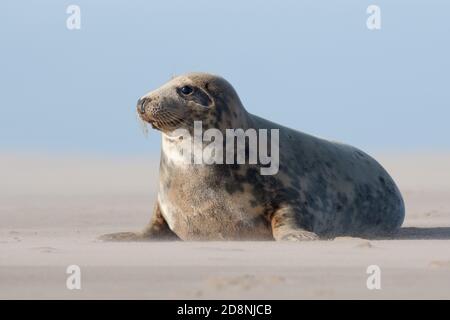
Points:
point(45, 249)
point(365, 244)
point(432, 213)
point(243, 282)
point(360, 242)
point(439, 264)
point(221, 249)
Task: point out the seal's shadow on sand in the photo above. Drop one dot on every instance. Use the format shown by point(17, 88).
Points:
point(413, 233)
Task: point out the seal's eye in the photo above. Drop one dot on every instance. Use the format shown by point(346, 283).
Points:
point(186, 90)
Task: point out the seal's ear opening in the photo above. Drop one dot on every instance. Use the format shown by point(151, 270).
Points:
point(203, 97)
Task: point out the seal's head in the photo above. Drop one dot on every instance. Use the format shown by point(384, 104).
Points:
point(192, 97)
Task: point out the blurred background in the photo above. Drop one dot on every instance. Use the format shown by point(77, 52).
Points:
point(75, 164)
point(311, 65)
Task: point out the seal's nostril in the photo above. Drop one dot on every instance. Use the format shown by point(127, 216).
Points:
point(141, 105)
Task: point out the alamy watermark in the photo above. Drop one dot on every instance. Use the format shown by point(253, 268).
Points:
point(73, 22)
point(374, 279)
point(374, 20)
point(73, 281)
point(241, 146)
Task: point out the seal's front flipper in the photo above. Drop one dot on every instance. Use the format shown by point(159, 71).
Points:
point(157, 230)
point(285, 227)
point(298, 235)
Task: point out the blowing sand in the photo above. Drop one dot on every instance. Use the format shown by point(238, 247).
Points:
point(53, 208)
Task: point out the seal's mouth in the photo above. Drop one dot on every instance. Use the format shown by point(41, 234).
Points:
point(147, 119)
point(163, 121)
point(154, 123)
point(159, 117)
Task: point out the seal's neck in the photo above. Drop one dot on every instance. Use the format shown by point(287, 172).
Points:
point(185, 145)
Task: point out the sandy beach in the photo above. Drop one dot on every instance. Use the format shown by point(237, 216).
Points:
point(52, 208)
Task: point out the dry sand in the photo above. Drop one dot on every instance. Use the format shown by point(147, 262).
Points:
point(52, 209)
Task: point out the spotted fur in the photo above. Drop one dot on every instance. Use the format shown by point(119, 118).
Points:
point(322, 189)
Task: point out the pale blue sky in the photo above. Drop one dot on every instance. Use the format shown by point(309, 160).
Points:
point(311, 65)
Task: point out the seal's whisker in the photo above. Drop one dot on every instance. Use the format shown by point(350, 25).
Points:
point(142, 124)
point(172, 120)
point(164, 120)
point(176, 117)
point(169, 119)
point(161, 120)
point(171, 115)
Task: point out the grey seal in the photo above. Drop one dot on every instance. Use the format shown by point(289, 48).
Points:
point(322, 189)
